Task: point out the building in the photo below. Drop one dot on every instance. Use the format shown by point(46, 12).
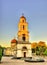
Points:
point(13, 43)
point(7, 51)
point(13, 46)
point(22, 46)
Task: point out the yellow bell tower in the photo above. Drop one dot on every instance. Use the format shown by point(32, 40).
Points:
point(23, 34)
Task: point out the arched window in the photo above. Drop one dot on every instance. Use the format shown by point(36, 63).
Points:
point(23, 37)
point(23, 27)
point(24, 48)
point(23, 20)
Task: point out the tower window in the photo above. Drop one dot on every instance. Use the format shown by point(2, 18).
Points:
point(23, 27)
point(23, 37)
point(23, 20)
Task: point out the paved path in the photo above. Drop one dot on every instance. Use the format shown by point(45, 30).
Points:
point(9, 61)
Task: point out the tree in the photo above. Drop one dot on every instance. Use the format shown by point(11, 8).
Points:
point(37, 50)
point(41, 43)
point(45, 53)
point(40, 48)
point(33, 46)
point(3, 50)
point(0, 53)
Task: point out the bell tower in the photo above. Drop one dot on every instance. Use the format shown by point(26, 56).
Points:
point(23, 34)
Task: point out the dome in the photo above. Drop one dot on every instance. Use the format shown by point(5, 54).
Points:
point(23, 17)
point(14, 41)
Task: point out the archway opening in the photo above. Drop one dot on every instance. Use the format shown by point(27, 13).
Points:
point(24, 49)
point(23, 38)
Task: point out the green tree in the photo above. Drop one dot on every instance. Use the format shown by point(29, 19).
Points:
point(45, 53)
point(41, 47)
point(0, 53)
point(37, 51)
point(40, 50)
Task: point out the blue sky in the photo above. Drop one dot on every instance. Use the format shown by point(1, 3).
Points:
point(35, 12)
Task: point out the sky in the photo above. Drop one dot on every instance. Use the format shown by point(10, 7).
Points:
point(35, 12)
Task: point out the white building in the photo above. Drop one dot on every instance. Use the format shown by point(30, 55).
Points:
point(22, 46)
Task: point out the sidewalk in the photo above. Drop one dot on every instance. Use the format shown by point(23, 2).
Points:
point(9, 61)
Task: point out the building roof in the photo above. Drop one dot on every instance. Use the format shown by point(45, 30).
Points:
point(23, 17)
point(13, 41)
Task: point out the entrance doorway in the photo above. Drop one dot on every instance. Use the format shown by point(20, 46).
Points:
point(24, 54)
point(24, 50)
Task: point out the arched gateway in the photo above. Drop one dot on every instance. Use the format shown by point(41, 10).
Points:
point(24, 50)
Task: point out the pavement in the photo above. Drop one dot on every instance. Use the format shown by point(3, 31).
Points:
point(10, 61)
